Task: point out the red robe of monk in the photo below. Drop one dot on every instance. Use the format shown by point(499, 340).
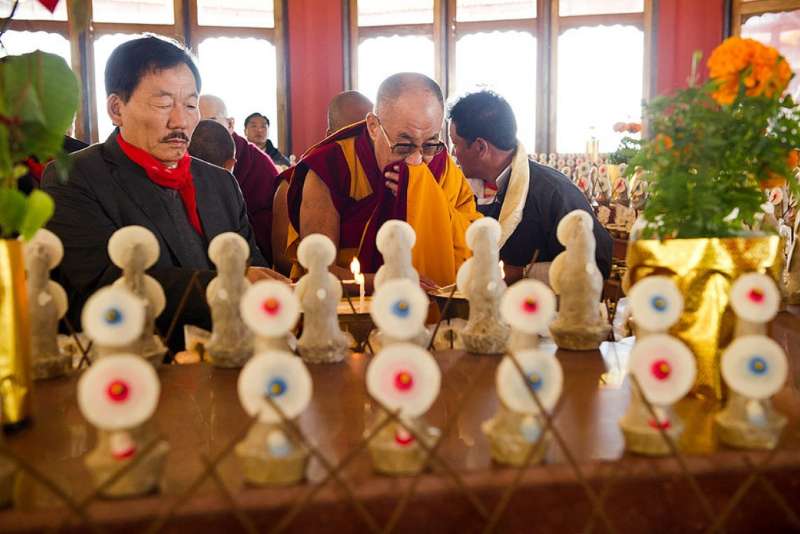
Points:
point(434, 198)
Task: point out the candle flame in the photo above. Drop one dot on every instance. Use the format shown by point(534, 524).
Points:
point(355, 267)
point(502, 269)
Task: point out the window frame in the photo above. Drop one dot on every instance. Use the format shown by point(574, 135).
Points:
point(185, 28)
point(741, 11)
point(546, 27)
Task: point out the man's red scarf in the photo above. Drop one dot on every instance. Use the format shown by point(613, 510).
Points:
point(178, 178)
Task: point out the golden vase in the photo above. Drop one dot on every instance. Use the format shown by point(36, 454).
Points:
point(704, 270)
point(15, 336)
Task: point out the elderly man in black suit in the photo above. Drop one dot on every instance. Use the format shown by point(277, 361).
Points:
point(143, 175)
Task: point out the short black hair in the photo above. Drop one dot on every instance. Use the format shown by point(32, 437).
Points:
point(255, 116)
point(130, 61)
point(487, 115)
point(211, 142)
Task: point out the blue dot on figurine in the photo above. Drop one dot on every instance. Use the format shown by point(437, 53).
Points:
point(535, 380)
point(758, 365)
point(659, 303)
point(276, 387)
point(113, 316)
point(530, 430)
point(401, 308)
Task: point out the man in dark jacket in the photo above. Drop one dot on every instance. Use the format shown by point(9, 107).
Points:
point(143, 175)
point(531, 198)
point(256, 129)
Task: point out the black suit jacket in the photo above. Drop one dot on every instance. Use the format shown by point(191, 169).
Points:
point(107, 191)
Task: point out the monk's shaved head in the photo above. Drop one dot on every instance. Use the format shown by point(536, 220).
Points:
point(403, 84)
point(347, 108)
point(213, 108)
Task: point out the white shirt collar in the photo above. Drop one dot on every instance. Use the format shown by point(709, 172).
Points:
point(503, 177)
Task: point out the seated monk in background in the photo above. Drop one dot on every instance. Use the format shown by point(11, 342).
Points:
point(393, 165)
point(344, 109)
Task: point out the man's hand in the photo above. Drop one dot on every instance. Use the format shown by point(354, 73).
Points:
point(393, 179)
point(427, 284)
point(254, 274)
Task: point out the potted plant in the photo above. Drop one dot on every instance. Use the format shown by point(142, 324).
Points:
point(38, 99)
point(715, 147)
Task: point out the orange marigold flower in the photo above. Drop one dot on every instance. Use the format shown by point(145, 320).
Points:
point(761, 69)
point(663, 142)
point(633, 127)
point(793, 159)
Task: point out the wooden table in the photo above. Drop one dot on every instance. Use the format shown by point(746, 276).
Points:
point(199, 414)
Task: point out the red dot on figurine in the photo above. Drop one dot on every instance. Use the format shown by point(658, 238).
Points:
point(271, 306)
point(403, 381)
point(118, 391)
point(660, 424)
point(530, 305)
point(661, 369)
point(756, 295)
point(403, 437)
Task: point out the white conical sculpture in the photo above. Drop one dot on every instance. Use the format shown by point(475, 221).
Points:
point(528, 307)
point(662, 364)
point(394, 240)
point(399, 308)
point(118, 394)
point(134, 249)
point(113, 319)
point(231, 342)
point(518, 423)
point(575, 278)
point(319, 291)
point(403, 377)
point(270, 453)
point(480, 280)
point(47, 302)
point(271, 310)
point(754, 367)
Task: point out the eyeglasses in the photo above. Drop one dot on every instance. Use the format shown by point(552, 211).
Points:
point(404, 150)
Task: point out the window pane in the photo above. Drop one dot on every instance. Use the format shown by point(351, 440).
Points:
point(782, 31)
point(103, 46)
point(249, 13)
point(482, 62)
point(390, 12)
point(226, 66)
point(476, 10)
point(15, 43)
point(599, 7)
point(134, 11)
point(33, 10)
point(599, 83)
point(380, 57)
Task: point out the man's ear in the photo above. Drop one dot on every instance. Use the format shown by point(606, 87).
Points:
point(481, 146)
point(114, 106)
point(373, 125)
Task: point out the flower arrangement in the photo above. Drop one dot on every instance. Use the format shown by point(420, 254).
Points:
point(38, 99)
point(716, 147)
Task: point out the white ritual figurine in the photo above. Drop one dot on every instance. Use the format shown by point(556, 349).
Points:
point(662, 364)
point(48, 304)
point(270, 454)
point(480, 280)
point(528, 306)
point(406, 378)
point(754, 367)
point(319, 291)
point(231, 342)
point(575, 278)
point(134, 249)
point(118, 394)
point(394, 240)
point(271, 310)
point(518, 423)
point(113, 319)
point(399, 308)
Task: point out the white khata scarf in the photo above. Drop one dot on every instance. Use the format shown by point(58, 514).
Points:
point(516, 194)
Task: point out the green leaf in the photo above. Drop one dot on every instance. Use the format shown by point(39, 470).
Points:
point(12, 211)
point(40, 208)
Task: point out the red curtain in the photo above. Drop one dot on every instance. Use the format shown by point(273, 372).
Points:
point(685, 26)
